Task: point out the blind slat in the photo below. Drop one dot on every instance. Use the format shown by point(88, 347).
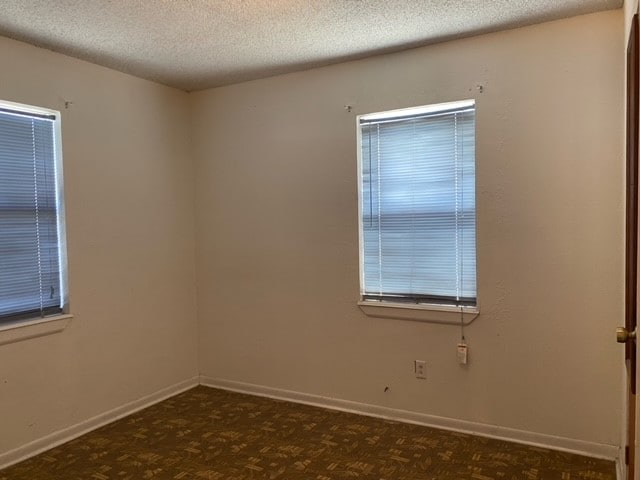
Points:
point(418, 208)
point(30, 280)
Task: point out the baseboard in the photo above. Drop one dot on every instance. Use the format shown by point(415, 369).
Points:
point(609, 452)
point(621, 469)
point(597, 450)
point(62, 436)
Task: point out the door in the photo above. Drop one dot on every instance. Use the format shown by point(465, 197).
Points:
point(626, 335)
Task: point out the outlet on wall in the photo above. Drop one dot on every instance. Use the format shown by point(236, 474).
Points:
point(420, 368)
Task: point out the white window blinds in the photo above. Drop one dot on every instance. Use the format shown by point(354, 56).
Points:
point(417, 197)
point(30, 258)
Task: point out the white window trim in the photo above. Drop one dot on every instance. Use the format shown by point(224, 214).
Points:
point(431, 313)
point(33, 328)
point(36, 327)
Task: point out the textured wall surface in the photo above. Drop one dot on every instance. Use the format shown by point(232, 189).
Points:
point(129, 205)
point(278, 238)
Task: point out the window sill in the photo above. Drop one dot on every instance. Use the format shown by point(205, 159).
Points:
point(443, 314)
point(24, 330)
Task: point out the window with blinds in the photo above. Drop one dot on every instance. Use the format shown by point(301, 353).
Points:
point(417, 205)
point(32, 256)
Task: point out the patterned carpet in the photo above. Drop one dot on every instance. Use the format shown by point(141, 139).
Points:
point(209, 434)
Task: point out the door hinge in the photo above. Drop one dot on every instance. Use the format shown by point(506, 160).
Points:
point(626, 455)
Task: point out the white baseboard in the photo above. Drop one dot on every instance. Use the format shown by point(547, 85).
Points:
point(621, 469)
point(62, 436)
point(597, 450)
point(609, 452)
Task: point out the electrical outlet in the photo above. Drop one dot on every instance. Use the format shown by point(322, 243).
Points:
point(420, 369)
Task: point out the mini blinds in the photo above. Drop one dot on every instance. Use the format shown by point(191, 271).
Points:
point(417, 200)
point(30, 256)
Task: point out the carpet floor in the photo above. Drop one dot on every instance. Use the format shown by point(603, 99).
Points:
point(210, 434)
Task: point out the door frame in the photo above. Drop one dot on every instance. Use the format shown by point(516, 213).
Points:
point(631, 241)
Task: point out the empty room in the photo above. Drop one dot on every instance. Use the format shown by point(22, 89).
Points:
point(319, 239)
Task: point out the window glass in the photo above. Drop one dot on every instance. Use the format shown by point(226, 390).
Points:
point(31, 231)
point(417, 205)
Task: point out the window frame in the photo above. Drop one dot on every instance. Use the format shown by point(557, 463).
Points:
point(32, 325)
point(428, 312)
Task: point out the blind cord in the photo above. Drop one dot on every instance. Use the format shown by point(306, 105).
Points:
point(461, 284)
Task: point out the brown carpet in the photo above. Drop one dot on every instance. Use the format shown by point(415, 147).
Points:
point(209, 434)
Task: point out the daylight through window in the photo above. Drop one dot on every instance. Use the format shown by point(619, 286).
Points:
point(417, 205)
point(32, 254)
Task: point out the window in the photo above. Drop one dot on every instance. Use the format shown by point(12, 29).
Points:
point(417, 205)
point(32, 239)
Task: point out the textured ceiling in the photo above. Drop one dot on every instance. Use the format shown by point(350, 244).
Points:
point(196, 44)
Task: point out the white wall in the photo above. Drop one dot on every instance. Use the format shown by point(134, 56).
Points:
point(278, 240)
point(130, 230)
